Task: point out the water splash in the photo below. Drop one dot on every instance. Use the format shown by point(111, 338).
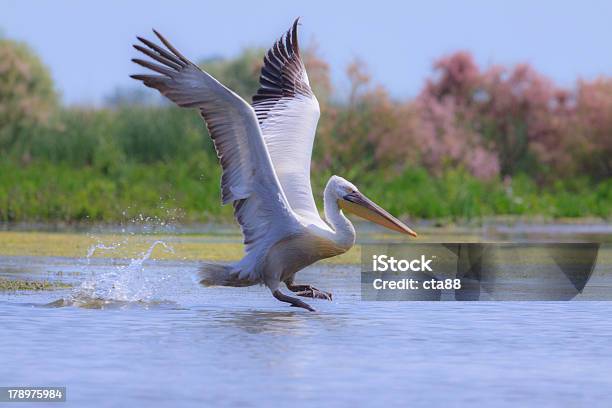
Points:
point(92, 249)
point(127, 281)
point(124, 283)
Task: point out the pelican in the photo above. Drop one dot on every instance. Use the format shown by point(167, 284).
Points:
point(265, 151)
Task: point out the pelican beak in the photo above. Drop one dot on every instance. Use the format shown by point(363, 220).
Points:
point(362, 206)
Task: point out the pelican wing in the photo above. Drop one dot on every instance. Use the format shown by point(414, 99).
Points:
point(248, 178)
point(288, 112)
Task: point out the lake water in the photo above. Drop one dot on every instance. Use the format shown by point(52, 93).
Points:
point(143, 334)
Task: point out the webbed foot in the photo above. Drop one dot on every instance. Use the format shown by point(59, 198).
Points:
point(294, 301)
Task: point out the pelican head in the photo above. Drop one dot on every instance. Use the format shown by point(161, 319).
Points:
point(350, 199)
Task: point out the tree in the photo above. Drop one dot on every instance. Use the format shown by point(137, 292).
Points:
point(27, 95)
point(240, 74)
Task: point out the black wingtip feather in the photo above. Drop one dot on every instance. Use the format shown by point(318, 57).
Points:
point(140, 77)
point(171, 47)
point(162, 52)
point(169, 62)
point(294, 36)
point(282, 74)
point(153, 67)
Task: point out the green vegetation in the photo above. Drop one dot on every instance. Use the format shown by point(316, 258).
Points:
point(43, 191)
point(458, 195)
point(454, 153)
point(22, 284)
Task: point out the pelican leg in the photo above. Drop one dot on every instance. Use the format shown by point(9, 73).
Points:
point(288, 299)
point(307, 291)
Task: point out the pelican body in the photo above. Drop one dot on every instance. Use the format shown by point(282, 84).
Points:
point(264, 149)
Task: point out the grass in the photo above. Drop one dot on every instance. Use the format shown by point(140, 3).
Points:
point(188, 191)
point(59, 192)
point(185, 247)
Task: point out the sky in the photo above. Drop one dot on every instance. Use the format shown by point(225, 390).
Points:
point(87, 44)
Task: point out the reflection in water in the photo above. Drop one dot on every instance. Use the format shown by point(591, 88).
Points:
point(98, 303)
point(290, 323)
point(255, 322)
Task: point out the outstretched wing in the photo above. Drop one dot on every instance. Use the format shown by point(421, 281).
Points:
point(248, 180)
point(288, 112)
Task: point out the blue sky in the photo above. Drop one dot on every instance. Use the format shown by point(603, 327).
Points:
point(87, 44)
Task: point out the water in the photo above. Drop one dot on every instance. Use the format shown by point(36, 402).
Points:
point(139, 332)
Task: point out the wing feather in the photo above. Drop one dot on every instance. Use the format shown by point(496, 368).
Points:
point(288, 113)
point(249, 180)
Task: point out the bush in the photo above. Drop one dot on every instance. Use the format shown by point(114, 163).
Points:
point(27, 96)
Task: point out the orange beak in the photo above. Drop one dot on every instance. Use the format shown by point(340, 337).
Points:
point(363, 207)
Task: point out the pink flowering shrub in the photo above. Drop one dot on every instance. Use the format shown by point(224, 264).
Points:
point(494, 123)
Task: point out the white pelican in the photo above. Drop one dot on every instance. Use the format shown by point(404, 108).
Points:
point(265, 152)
